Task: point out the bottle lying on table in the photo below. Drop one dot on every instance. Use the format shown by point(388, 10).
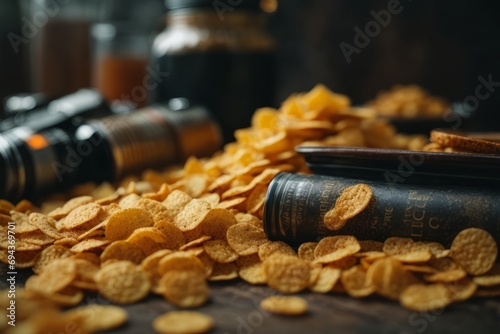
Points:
point(296, 206)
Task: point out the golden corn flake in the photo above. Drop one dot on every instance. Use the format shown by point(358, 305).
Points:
point(389, 278)
point(89, 245)
point(286, 273)
point(223, 272)
point(306, 251)
point(175, 202)
point(48, 255)
point(446, 276)
point(489, 279)
point(355, 283)
point(55, 276)
point(285, 305)
point(183, 322)
point(148, 239)
point(245, 238)
point(424, 298)
point(122, 251)
point(184, 288)
point(332, 220)
point(83, 216)
point(174, 237)
point(475, 250)
point(353, 200)
point(180, 261)
point(99, 317)
point(122, 282)
point(251, 269)
point(220, 251)
point(275, 247)
point(123, 223)
point(216, 223)
point(334, 248)
point(327, 277)
point(70, 206)
point(192, 215)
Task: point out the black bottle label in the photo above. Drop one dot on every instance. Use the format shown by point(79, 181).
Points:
point(296, 204)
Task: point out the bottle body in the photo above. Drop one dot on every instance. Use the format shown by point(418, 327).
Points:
point(296, 205)
point(227, 65)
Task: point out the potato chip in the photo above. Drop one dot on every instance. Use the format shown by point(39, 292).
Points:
point(89, 245)
point(285, 305)
point(85, 216)
point(175, 202)
point(44, 224)
point(424, 298)
point(332, 220)
point(326, 280)
point(184, 288)
point(355, 283)
point(122, 282)
point(251, 269)
point(123, 223)
point(48, 255)
point(224, 272)
point(446, 276)
point(306, 251)
point(245, 238)
point(487, 292)
point(220, 251)
point(249, 218)
point(353, 200)
point(475, 250)
point(174, 237)
point(255, 200)
point(216, 223)
point(418, 256)
point(122, 251)
point(70, 206)
point(54, 277)
point(489, 279)
point(287, 274)
point(389, 278)
point(99, 317)
point(335, 248)
point(183, 322)
point(157, 210)
point(231, 203)
point(129, 201)
point(180, 261)
point(462, 289)
point(148, 239)
point(22, 222)
point(275, 247)
point(192, 215)
point(212, 199)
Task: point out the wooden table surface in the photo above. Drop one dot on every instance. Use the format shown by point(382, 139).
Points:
point(235, 307)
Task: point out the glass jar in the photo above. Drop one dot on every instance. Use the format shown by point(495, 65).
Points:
point(221, 57)
point(120, 62)
point(61, 52)
point(121, 45)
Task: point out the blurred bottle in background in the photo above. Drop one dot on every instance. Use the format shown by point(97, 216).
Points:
point(121, 44)
point(219, 54)
point(60, 44)
point(13, 72)
point(84, 43)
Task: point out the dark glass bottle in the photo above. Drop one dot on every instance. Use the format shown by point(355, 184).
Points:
point(221, 57)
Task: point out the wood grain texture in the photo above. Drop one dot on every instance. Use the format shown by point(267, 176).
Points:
point(234, 306)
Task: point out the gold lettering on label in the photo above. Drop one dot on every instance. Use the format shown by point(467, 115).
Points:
point(415, 213)
point(434, 223)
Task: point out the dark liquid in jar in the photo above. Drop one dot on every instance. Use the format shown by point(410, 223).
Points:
point(231, 85)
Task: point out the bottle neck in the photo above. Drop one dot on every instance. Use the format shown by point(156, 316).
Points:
point(210, 19)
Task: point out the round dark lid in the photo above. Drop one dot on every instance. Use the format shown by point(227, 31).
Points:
point(216, 5)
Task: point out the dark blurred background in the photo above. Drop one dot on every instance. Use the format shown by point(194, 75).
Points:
point(444, 46)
